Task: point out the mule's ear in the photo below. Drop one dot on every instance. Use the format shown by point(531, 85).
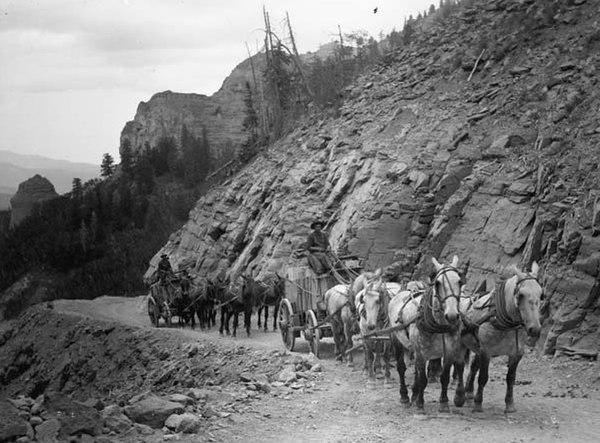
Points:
point(436, 264)
point(454, 263)
point(535, 268)
point(516, 271)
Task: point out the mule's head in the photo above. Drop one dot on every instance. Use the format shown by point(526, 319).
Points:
point(528, 297)
point(447, 284)
point(373, 302)
point(364, 279)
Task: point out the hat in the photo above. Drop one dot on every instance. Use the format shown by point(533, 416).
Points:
point(163, 255)
point(317, 222)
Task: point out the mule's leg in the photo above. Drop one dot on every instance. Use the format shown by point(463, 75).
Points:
point(484, 365)
point(266, 317)
point(348, 342)
point(420, 383)
point(434, 369)
point(248, 319)
point(445, 381)
point(459, 369)
point(275, 313)
point(339, 339)
point(401, 368)
point(387, 350)
point(511, 375)
point(474, 368)
point(369, 359)
point(378, 353)
point(225, 316)
point(260, 308)
point(236, 320)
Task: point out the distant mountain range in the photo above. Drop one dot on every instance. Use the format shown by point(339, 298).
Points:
point(16, 168)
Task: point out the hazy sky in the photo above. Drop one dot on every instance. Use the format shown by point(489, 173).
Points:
point(72, 72)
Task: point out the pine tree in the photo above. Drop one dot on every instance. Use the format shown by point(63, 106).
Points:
point(107, 166)
point(76, 189)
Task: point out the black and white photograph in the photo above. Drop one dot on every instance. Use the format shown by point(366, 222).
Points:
point(299, 221)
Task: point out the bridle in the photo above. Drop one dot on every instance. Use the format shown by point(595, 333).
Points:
point(443, 273)
point(384, 297)
point(427, 321)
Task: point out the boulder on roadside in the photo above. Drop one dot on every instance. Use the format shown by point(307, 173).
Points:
point(115, 420)
point(288, 375)
point(187, 423)
point(152, 411)
point(74, 418)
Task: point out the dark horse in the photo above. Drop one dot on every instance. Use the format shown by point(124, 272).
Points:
point(183, 307)
point(265, 295)
point(234, 299)
point(205, 294)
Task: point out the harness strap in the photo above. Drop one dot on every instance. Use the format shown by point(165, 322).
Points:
point(502, 319)
point(426, 321)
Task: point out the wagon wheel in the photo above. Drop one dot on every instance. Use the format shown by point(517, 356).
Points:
point(153, 311)
point(167, 314)
point(314, 335)
point(285, 324)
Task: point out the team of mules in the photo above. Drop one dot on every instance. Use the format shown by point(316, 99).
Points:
point(206, 297)
point(440, 323)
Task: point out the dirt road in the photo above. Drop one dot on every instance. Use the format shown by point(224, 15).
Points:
point(557, 400)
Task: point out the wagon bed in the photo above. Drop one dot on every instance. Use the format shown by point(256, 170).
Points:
point(299, 312)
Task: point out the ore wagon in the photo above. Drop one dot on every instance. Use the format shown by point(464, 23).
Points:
point(299, 312)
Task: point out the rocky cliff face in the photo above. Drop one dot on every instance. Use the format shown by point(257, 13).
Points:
point(35, 190)
point(221, 114)
point(483, 146)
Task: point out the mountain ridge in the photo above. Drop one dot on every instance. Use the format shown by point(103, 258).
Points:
point(15, 168)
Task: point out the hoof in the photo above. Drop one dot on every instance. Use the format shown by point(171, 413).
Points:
point(405, 401)
point(420, 411)
point(469, 395)
point(444, 407)
point(477, 407)
point(510, 409)
point(459, 401)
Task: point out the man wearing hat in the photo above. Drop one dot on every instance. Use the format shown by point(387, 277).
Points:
point(165, 272)
point(317, 245)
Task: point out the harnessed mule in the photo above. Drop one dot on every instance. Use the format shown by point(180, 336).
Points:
point(432, 321)
point(235, 299)
point(343, 322)
point(372, 306)
point(497, 324)
point(267, 295)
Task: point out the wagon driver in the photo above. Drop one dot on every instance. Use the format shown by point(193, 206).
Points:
point(318, 248)
point(165, 272)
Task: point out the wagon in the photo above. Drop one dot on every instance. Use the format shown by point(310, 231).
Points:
point(299, 312)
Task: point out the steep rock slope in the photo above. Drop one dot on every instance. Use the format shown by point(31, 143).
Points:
point(479, 139)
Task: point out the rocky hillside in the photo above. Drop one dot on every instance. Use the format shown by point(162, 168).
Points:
point(68, 378)
point(478, 139)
